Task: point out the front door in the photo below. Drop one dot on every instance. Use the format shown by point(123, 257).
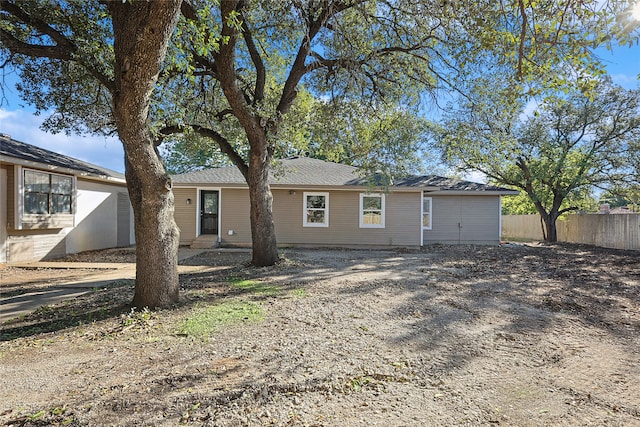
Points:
point(208, 212)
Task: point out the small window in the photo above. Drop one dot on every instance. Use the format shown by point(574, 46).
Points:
point(371, 210)
point(426, 213)
point(46, 193)
point(316, 210)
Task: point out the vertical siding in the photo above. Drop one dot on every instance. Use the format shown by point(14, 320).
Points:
point(185, 214)
point(445, 216)
point(610, 231)
point(402, 221)
point(464, 219)
point(3, 214)
point(11, 195)
point(124, 219)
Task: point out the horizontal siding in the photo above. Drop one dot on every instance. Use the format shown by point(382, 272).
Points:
point(185, 214)
point(234, 209)
point(464, 219)
point(402, 222)
point(93, 225)
point(35, 245)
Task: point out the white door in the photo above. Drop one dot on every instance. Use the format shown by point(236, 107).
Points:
point(3, 215)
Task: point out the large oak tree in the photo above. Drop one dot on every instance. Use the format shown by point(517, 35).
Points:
point(369, 52)
point(557, 155)
point(107, 58)
point(240, 65)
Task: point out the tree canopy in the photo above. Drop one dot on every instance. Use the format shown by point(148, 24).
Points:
point(96, 64)
point(557, 155)
point(236, 69)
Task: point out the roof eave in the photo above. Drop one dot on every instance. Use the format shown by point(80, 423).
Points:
point(474, 193)
point(60, 169)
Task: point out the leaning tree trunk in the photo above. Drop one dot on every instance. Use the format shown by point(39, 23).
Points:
point(141, 34)
point(263, 231)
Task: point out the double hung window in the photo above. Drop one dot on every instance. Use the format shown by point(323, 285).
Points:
point(316, 210)
point(426, 213)
point(46, 193)
point(372, 210)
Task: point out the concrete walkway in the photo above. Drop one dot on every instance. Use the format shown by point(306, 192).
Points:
point(18, 305)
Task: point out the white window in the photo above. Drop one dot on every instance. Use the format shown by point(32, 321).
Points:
point(371, 210)
point(315, 210)
point(426, 213)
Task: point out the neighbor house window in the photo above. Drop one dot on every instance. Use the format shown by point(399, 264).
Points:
point(426, 213)
point(371, 210)
point(316, 210)
point(46, 193)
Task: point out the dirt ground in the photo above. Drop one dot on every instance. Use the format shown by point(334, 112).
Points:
point(522, 335)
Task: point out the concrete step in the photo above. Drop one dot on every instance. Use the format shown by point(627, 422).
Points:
point(205, 241)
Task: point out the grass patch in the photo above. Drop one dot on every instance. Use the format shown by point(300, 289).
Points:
point(299, 293)
point(204, 321)
point(254, 286)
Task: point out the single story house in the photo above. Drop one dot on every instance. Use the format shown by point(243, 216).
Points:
point(319, 203)
point(52, 205)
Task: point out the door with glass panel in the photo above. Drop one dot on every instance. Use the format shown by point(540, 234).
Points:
point(209, 212)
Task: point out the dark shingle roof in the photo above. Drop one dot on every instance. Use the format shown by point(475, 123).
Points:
point(304, 171)
point(30, 153)
point(293, 171)
point(446, 184)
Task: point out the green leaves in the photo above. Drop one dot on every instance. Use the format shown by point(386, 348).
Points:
point(558, 156)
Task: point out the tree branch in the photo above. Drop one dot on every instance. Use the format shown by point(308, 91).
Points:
point(38, 51)
point(64, 48)
point(222, 142)
point(61, 41)
point(261, 73)
point(523, 34)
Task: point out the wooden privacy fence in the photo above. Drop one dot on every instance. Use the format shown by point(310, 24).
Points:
point(609, 231)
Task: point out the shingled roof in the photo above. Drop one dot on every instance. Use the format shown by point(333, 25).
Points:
point(30, 155)
point(449, 184)
point(293, 171)
point(305, 171)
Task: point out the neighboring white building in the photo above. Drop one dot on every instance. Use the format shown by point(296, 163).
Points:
point(52, 205)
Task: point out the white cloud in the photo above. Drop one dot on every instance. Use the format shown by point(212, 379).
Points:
point(529, 109)
point(23, 126)
point(475, 176)
point(625, 80)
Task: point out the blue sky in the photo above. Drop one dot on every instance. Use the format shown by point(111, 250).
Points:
point(18, 121)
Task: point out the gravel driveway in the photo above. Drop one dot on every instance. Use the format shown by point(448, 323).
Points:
point(451, 335)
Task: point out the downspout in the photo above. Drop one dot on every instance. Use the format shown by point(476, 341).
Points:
point(499, 219)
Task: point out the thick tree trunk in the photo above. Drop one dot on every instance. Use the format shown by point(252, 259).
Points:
point(141, 33)
point(551, 235)
point(157, 236)
point(263, 231)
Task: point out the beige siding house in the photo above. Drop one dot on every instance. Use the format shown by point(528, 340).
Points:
point(52, 205)
point(318, 203)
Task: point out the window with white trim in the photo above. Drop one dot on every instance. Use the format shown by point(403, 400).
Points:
point(426, 213)
point(315, 210)
point(372, 210)
point(47, 193)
